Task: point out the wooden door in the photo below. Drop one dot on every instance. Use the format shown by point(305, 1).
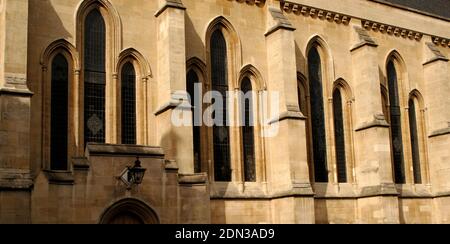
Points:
point(126, 218)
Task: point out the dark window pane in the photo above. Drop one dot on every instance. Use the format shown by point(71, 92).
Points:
point(128, 104)
point(317, 116)
point(221, 134)
point(414, 142)
point(339, 136)
point(248, 132)
point(192, 79)
point(94, 78)
point(396, 128)
point(59, 113)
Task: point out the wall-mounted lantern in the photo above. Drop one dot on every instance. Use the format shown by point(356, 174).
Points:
point(136, 173)
point(133, 175)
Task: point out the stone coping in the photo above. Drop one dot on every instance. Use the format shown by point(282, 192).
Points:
point(193, 179)
point(60, 177)
point(15, 179)
point(440, 132)
point(170, 4)
point(94, 149)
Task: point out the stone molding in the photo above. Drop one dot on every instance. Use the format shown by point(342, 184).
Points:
point(364, 39)
point(94, 149)
point(60, 177)
point(308, 11)
point(15, 179)
point(193, 179)
point(16, 92)
point(281, 22)
point(440, 132)
point(436, 54)
point(445, 42)
point(391, 30)
point(252, 2)
point(287, 115)
point(300, 9)
point(81, 163)
point(379, 121)
point(170, 4)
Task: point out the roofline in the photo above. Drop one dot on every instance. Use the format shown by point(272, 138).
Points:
point(411, 9)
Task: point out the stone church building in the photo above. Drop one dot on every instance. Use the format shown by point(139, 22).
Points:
point(89, 90)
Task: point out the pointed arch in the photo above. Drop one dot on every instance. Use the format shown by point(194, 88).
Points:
point(416, 94)
point(399, 62)
point(196, 62)
point(318, 42)
point(342, 120)
point(136, 207)
point(418, 142)
point(59, 46)
point(103, 114)
point(143, 73)
point(199, 67)
point(319, 73)
point(247, 107)
point(195, 73)
point(255, 77)
point(234, 47)
point(401, 70)
point(251, 160)
point(395, 76)
point(345, 88)
point(143, 65)
point(224, 58)
point(112, 19)
point(58, 103)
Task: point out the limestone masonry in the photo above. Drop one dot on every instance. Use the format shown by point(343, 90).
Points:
point(89, 89)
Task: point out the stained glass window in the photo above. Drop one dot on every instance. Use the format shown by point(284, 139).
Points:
point(221, 133)
point(248, 132)
point(317, 116)
point(94, 78)
point(414, 142)
point(128, 104)
point(192, 79)
point(59, 113)
point(396, 128)
point(339, 136)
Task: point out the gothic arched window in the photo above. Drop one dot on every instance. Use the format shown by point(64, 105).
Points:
point(317, 116)
point(128, 104)
point(94, 77)
point(192, 80)
point(59, 113)
point(248, 141)
point(339, 136)
point(221, 133)
point(414, 142)
point(396, 127)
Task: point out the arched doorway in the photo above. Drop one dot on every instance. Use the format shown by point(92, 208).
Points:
point(129, 211)
point(126, 218)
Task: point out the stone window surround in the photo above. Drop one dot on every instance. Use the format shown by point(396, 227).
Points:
point(73, 56)
point(404, 97)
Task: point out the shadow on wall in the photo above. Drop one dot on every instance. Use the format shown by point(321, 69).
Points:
point(383, 78)
point(45, 18)
point(44, 27)
point(193, 41)
point(195, 48)
point(218, 215)
point(301, 60)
